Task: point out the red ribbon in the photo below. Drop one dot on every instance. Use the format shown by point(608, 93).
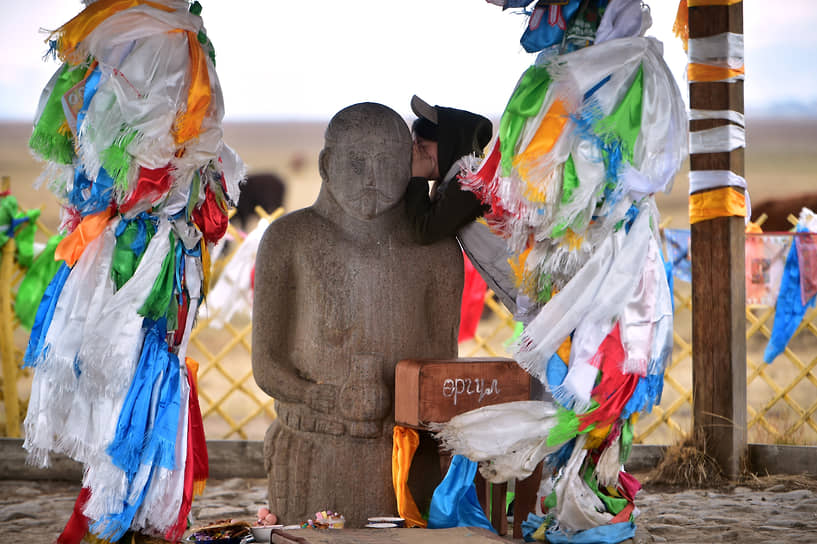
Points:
point(152, 185)
point(210, 218)
point(473, 300)
point(201, 462)
point(77, 526)
point(615, 388)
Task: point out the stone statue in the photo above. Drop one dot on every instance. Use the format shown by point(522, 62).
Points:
point(342, 294)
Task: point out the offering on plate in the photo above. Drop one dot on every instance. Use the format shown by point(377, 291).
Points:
point(325, 519)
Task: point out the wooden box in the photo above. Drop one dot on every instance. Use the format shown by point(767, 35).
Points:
point(435, 390)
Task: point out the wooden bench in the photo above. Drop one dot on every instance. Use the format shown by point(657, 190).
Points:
point(435, 390)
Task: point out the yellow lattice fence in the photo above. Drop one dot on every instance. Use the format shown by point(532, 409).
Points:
point(782, 397)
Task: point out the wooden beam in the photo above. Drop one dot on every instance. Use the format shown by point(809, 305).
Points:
point(718, 284)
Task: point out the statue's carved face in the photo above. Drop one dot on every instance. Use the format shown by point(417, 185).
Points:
point(368, 178)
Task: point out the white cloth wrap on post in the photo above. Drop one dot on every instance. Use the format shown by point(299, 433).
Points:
point(717, 139)
point(734, 116)
point(724, 50)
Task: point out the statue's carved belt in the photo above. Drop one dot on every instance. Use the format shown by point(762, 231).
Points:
point(300, 417)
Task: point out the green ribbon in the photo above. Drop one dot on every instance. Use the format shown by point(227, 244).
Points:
point(116, 160)
point(125, 259)
point(544, 288)
point(614, 505)
point(525, 102)
point(626, 440)
point(567, 425)
point(193, 196)
point(23, 230)
point(157, 303)
point(46, 140)
point(570, 182)
point(624, 124)
point(31, 289)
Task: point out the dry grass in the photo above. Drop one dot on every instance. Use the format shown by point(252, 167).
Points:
point(687, 465)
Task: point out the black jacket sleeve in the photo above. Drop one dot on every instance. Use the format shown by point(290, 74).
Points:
point(433, 220)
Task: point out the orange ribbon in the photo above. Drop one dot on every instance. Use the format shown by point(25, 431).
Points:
point(542, 142)
point(405, 444)
point(74, 31)
point(707, 72)
point(71, 247)
point(205, 268)
point(723, 202)
point(188, 123)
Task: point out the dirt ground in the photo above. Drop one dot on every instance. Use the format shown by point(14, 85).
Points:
point(759, 510)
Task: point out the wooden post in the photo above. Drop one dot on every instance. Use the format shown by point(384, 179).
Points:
point(718, 276)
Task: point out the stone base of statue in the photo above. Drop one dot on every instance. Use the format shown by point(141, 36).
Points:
point(309, 472)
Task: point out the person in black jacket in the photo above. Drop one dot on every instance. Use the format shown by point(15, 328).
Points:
point(443, 136)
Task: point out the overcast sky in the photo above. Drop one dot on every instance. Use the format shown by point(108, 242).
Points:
point(291, 60)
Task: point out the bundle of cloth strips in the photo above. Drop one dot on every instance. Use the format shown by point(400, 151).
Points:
point(130, 131)
point(593, 129)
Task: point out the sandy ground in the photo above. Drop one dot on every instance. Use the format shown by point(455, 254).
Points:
point(757, 511)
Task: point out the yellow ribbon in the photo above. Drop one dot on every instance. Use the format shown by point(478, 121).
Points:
point(723, 202)
point(206, 268)
point(522, 278)
point(696, 3)
point(188, 123)
point(596, 437)
point(74, 31)
point(405, 444)
point(707, 72)
point(71, 247)
point(564, 350)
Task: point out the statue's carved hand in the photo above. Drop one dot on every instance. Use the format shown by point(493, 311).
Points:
point(361, 401)
point(322, 397)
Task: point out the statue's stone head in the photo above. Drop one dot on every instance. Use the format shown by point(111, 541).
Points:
point(366, 160)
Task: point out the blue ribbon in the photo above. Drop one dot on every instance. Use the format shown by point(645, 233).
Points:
point(678, 253)
point(612, 533)
point(45, 313)
point(139, 408)
point(90, 197)
point(530, 526)
point(560, 457)
point(15, 222)
point(161, 446)
point(790, 308)
point(88, 92)
point(454, 502)
point(112, 527)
